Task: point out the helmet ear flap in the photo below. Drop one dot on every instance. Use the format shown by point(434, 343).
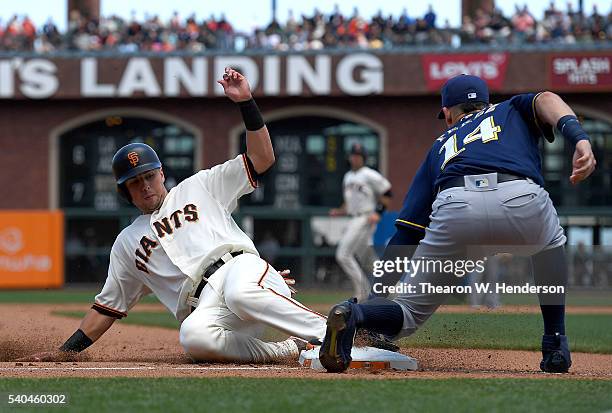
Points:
point(124, 193)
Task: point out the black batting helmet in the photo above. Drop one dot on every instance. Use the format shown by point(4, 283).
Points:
point(131, 160)
point(358, 149)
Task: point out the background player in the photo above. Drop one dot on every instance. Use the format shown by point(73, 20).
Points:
point(366, 196)
point(480, 184)
point(187, 250)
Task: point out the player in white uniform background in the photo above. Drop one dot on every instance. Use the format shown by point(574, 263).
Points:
point(187, 250)
point(366, 195)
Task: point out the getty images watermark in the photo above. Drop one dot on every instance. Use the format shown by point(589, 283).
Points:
point(431, 280)
point(404, 265)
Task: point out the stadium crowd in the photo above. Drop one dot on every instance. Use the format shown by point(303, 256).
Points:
point(318, 31)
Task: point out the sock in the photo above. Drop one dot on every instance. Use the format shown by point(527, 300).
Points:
point(554, 319)
point(380, 315)
point(550, 268)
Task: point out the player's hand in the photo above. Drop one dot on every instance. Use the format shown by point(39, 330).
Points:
point(290, 281)
point(583, 163)
point(235, 85)
point(336, 212)
point(373, 218)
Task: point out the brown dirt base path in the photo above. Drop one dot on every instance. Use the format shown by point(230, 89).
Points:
point(134, 351)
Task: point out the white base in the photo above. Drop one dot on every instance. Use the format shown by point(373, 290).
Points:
point(364, 357)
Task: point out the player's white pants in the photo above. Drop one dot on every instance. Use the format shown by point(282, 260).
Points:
point(356, 242)
point(253, 294)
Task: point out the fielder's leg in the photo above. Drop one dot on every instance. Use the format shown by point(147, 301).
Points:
point(395, 318)
point(355, 239)
point(529, 212)
point(550, 269)
point(536, 220)
point(456, 215)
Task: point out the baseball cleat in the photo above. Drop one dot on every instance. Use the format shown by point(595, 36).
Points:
point(335, 352)
point(300, 343)
point(555, 354)
point(304, 345)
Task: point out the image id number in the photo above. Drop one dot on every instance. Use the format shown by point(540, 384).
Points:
point(37, 399)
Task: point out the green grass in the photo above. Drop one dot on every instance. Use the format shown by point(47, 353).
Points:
point(307, 395)
point(314, 297)
point(580, 298)
point(142, 318)
point(55, 296)
point(308, 297)
point(590, 333)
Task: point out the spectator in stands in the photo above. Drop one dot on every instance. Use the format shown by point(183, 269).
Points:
point(312, 32)
point(468, 30)
point(597, 24)
point(484, 34)
point(28, 31)
point(430, 18)
point(500, 27)
point(523, 24)
point(551, 10)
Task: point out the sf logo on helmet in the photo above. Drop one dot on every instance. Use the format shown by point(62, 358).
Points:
point(133, 158)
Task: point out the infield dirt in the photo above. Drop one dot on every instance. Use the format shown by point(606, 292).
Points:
point(137, 351)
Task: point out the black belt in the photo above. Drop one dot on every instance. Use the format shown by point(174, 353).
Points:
point(460, 181)
point(209, 272)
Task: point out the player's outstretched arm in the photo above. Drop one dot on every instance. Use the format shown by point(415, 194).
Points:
point(552, 110)
point(95, 324)
point(91, 329)
point(259, 145)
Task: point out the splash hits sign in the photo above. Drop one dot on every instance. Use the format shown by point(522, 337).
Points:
point(491, 67)
point(580, 71)
point(31, 249)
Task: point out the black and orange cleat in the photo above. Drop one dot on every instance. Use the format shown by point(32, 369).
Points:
point(335, 352)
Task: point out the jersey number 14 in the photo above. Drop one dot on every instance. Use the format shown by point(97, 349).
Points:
point(486, 132)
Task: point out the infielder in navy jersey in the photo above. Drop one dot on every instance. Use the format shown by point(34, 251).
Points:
point(479, 192)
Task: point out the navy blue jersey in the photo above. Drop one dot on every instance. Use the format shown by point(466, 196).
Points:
point(501, 138)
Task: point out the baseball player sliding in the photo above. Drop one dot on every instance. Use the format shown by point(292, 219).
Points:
point(187, 250)
point(366, 196)
point(478, 192)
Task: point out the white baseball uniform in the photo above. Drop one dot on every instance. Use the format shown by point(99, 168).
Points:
point(361, 189)
point(167, 252)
